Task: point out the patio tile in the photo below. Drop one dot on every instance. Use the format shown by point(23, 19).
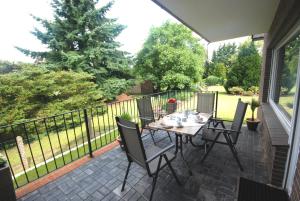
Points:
point(214, 180)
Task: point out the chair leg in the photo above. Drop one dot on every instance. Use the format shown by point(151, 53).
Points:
point(234, 152)
point(172, 170)
point(152, 136)
point(169, 136)
point(155, 178)
point(210, 148)
point(126, 175)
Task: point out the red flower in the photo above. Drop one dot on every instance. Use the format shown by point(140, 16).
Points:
point(172, 100)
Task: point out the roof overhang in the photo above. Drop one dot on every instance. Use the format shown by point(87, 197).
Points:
point(216, 20)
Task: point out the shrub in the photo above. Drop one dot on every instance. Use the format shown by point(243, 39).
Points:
point(184, 96)
point(254, 89)
point(113, 87)
point(236, 90)
point(248, 93)
point(213, 80)
point(284, 91)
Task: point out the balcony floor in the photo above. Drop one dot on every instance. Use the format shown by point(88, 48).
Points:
point(214, 180)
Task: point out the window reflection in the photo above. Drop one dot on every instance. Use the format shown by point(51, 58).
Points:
point(288, 75)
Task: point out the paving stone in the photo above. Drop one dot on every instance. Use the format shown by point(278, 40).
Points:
point(214, 180)
point(97, 196)
point(83, 194)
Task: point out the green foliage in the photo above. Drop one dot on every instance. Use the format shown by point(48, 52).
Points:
point(289, 70)
point(126, 116)
point(213, 80)
point(224, 54)
point(236, 90)
point(284, 91)
point(220, 71)
point(2, 160)
point(171, 57)
point(245, 71)
point(254, 89)
point(81, 38)
point(32, 92)
point(221, 61)
point(114, 86)
point(175, 81)
point(248, 93)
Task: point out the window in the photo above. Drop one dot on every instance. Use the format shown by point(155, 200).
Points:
point(285, 84)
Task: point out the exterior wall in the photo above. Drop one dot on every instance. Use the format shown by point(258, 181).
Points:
point(295, 196)
point(276, 147)
point(286, 16)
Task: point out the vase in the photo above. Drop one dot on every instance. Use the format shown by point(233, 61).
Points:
point(7, 190)
point(171, 107)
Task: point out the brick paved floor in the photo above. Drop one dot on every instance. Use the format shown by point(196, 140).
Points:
point(214, 180)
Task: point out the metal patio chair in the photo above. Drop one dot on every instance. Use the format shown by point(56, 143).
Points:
point(146, 115)
point(152, 160)
point(207, 103)
point(227, 136)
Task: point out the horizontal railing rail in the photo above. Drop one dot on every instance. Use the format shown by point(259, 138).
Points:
point(36, 147)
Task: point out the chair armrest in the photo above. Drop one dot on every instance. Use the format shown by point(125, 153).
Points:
point(161, 152)
point(146, 118)
point(224, 130)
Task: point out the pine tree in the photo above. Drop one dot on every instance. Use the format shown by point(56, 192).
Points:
point(81, 38)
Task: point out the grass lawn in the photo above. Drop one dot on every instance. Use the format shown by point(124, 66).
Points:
point(59, 161)
point(69, 140)
point(227, 103)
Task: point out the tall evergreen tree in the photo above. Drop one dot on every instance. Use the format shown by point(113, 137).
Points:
point(245, 71)
point(224, 54)
point(81, 38)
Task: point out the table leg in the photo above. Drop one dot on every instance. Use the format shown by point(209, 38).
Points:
point(179, 146)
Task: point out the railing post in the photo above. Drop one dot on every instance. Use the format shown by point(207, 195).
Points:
point(88, 133)
point(217, 97)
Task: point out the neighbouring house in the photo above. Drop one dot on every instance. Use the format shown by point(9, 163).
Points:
point(145, 87)
point(280, 75)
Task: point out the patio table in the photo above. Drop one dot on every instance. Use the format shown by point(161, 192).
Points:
point(186, 124)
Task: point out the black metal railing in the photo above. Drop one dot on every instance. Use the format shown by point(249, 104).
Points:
point(37, 147)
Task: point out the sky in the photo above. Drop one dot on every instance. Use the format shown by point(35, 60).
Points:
point(138, 15)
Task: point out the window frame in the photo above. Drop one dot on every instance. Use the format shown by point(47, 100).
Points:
point(286, 122)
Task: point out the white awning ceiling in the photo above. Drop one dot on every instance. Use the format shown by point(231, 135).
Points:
point(216, 20)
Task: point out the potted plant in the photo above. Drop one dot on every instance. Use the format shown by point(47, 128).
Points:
point(252, 123)
point(126, 116)
point(7, 190)
point(171, 105)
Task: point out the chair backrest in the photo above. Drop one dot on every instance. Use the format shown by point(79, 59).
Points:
point(206, 102)
point(238, 120)
point(131, 138)
point(145, 110)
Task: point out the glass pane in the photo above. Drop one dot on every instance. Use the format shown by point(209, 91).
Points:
point(288, 76)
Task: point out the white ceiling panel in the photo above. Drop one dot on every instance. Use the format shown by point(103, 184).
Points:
point(217, 20)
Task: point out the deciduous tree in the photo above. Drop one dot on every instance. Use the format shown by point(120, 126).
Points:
point(172, 58)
